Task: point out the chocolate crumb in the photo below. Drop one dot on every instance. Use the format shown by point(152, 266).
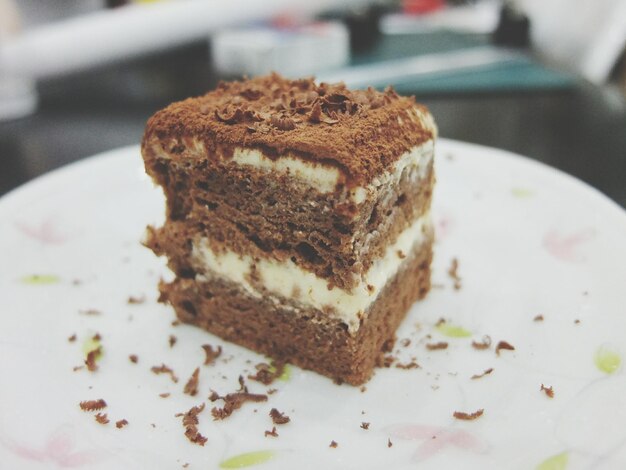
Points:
point(400, 254)
point(93, 405)
point(484, 344)
point(211, 354)
point(370, 288)
point(363, 389)
point(333, 444)
point(365, 425)
point(388, 360)
point(549, 391)
point(163, 369)
point(538, 318)
point(408, 365)
point(486, 372)
point(453, 273)
point(186, 465)
point(102, 418)
point(175, 322)
point(278, 417)
point(272, 433)
point(441, 321)
point(133, 358)
point(405, 343)
point(191, 387)
point(96, 337)
point(190, 422)
point(436, 346)
point(90, 311)
point(172, 340)
point(153, 425)
point(577, 321)
point(468, 416)
point(77, 368)
point(504, 345)
point(266, 373)
point(164, 395)
point(271, 391)
point(242, 384)
point(92, 355)
point(132, 300)
point(389, 443)
point(72, 338)
point(232, 402)
point(121, 423)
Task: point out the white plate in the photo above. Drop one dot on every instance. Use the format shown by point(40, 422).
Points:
point(530, 241)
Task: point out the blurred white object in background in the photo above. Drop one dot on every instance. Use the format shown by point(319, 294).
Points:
point(587, 36)
point(292, 51)
point(18, 96)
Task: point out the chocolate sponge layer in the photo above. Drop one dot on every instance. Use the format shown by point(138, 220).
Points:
point(299, 335)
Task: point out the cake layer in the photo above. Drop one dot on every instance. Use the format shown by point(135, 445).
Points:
point(323, 123)
point(287, 280)
point(255, 212)
point(307, 337)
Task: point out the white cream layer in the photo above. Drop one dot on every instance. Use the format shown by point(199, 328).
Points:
point(325, 178)
point(284, 278)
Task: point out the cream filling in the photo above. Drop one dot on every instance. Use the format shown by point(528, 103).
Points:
point(283, 278)
point(325, 178)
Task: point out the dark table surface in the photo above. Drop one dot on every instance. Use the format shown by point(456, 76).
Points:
point(580, 130)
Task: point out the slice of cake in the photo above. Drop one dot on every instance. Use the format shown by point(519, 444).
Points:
point(298, 219)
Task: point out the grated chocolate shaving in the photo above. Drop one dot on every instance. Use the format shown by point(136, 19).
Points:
point(190, 422)
point(191, 387)
point(486, 372)
point(405, 343)
point(163, 369)
point(468, 416)
point(121, 423)
point(102, 418)
point(272, 433)
point(408, 365)
point(72, 338)
point(282, 123)
point(333, 444)
point(93, 405)
point(365, 425)
point(172, 341)
point(453, 273)
point(538, 318)
point(549, 391)
point(132, 300)
point(242, 384)
point(389, 443)
point(211, 354)
point(484, 344)
point(164, 395)
point(232, 402)
point(278, 417)
point(436, 346)
point(504, 345)
point(92, 355)
point(133, 358)
point(265, 374)
point(401, 254)
point(388, 360)
point(90, 311)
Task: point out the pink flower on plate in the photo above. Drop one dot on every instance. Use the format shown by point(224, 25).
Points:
point(436, 438)
point(46, 232)
point(443, 225)
point(566, 247)
point(58, 449)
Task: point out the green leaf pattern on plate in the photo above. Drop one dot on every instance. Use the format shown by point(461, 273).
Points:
point(40, 279)
point(248, 459)
point(453, 331)
point(91, 344)
point(521, 193)
point(607, 359)
point(556, 462)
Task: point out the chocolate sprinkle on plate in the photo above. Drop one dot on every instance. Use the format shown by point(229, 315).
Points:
point(486, 372)
point(484, 344)
point(93, 405)
point(121, 423)
point(549, 391)
point(102, 418)
point(272, 433)
point(504, 345)
point(232, 402)
point(278, 417)
point(266, 373)
point(133, 358)
point(172, 340)
point(436, 346)
point(365, 425)
point(538, 318)
point(163, 369)
point(389, 443)
point(333, 444)
point(191, 387)
point(468, 416)
point(190, 422)
point(211, 354)
point(72, 338)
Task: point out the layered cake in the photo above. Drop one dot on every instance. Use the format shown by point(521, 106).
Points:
point(297, 217)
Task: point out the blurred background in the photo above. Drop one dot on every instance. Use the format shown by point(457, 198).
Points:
point(544, 78)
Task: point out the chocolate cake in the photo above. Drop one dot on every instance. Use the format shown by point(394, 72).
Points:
point(298, 220)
